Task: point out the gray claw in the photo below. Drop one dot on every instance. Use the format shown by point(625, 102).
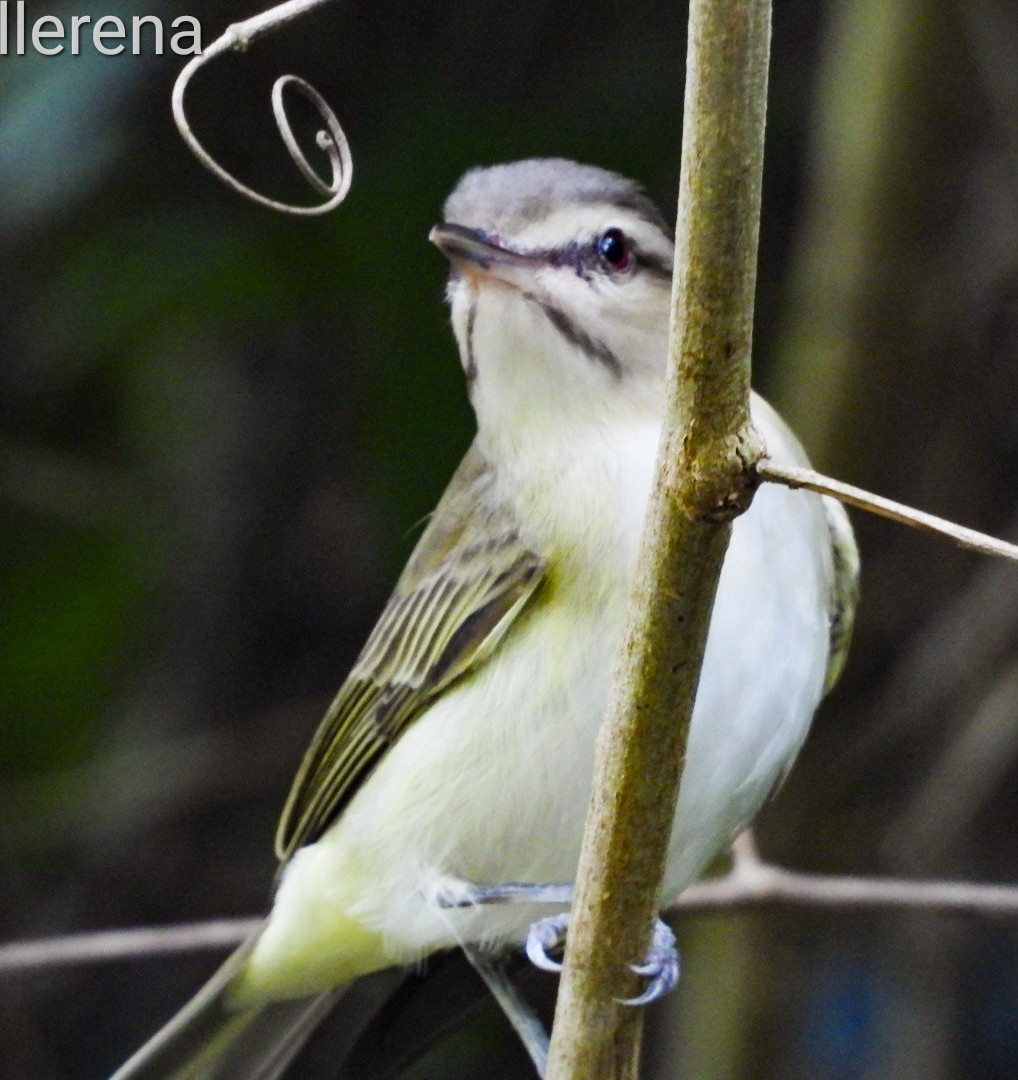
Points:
point(545, 934)
point(661, 967)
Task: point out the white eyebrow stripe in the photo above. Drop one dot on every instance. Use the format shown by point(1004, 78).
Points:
point(587, 221)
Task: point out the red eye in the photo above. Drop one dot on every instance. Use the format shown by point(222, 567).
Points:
point(614, 249)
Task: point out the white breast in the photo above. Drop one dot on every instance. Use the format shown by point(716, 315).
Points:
point(491, 784)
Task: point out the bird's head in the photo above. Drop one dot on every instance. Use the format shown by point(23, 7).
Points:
point(560, 289)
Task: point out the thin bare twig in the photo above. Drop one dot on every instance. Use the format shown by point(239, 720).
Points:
point(754, 884)
point(333, 140)
point(750, 885)
point(794, 477)
point(137, 944)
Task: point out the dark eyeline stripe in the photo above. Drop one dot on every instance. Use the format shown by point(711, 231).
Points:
point(654, 265)
point(596, 350)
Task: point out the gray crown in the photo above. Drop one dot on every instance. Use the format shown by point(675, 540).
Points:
point(504, 198)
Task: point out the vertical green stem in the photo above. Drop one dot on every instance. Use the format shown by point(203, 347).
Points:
point(703, 481)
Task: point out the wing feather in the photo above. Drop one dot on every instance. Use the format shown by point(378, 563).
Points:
point(449, 610)
point(844, 594)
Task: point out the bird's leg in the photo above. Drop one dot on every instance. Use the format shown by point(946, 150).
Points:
point(466, 894)
point(660, 967)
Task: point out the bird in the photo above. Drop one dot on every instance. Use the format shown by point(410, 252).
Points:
point(453, 767)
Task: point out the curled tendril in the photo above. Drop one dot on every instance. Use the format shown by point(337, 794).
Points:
point(332, 139)
point(333, 142)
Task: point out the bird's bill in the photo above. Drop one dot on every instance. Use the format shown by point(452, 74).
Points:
point(471, 251)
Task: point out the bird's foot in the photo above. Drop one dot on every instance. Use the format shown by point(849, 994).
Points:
point(660, 967)
point(546, 935)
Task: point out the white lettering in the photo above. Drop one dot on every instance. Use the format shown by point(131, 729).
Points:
point(40, 33)
point(116, 32)
point(77, 22)
point(136, 24)
point(49, 35)
point(194, 34)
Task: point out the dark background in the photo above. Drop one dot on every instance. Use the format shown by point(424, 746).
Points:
point(219, 426)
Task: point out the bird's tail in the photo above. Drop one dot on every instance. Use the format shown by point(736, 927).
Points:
point(213, 1039)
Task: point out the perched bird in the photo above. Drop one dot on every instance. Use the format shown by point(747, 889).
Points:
point(457, 756)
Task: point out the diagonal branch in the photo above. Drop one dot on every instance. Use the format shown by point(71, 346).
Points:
point(794, 477)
